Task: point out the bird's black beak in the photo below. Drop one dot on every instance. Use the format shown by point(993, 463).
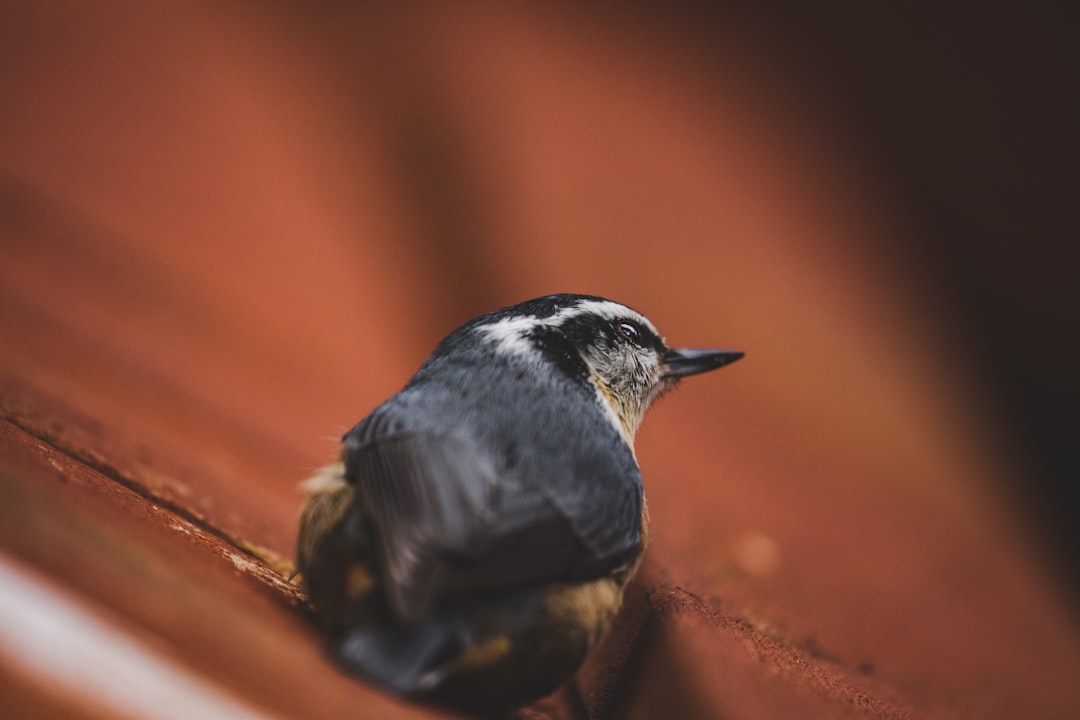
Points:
point(686, 361)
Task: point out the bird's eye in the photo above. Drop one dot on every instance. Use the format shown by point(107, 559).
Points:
point(630, 332)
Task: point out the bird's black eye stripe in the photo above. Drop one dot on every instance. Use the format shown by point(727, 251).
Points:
point(630, 331)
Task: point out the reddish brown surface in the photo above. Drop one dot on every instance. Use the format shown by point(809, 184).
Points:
point(226, 235)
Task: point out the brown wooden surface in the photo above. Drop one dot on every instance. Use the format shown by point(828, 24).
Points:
point(226, 234)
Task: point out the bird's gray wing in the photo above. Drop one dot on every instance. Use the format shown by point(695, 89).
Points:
point(446, 523)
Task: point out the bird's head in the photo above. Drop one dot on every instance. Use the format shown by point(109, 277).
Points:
point(613, 347)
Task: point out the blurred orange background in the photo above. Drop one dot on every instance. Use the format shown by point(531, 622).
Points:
point(228, 231)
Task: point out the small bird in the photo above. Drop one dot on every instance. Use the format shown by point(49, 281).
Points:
point(474, 540)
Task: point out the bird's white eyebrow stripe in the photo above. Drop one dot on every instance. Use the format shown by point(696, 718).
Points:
point(510, 334)
point(607, 309)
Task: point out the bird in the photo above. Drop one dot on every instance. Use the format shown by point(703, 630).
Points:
point(473, 541)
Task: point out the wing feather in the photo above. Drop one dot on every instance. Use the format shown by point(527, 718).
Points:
point(446, 523)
